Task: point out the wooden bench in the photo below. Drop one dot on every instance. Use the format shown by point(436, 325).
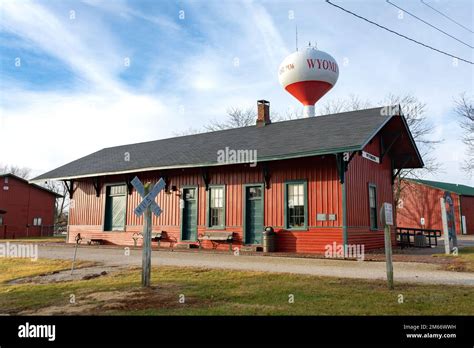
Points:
point(158, 237)
point(216, 237)
point(94, 241)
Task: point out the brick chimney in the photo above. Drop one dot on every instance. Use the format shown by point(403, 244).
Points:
point(263, 116)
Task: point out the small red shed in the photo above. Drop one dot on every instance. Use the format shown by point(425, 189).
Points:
point(419, 205)
point(315, 180)
point(26, 210)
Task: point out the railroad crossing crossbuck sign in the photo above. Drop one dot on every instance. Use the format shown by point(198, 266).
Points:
point(147, 206)
point(149, 199)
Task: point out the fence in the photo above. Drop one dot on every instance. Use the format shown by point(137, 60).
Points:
point(18, 231)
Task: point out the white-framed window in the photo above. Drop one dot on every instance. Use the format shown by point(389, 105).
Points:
point(37, 221)
point(296, 214)
point(216, 207)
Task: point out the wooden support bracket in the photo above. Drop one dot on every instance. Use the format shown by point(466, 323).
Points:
point(97, 186)
point(266, 175)
point(129, 184)
point(70, 188)
point(206, 178)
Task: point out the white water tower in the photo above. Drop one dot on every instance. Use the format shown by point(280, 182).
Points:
point(308, 75)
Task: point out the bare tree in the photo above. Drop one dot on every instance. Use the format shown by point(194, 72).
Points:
point(351, 103)
point(236, 117)
point(464, 108)
point(189, 131)
point(422, 130)
point(62, 203)
point(414, 110)
point(22, 172)
point(290, 114)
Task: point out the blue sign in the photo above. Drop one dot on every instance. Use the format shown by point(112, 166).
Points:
point(149, 199)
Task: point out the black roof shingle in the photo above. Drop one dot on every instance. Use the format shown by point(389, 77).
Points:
point(347, 131)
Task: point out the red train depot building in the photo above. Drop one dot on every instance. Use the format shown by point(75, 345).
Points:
point(420, 206)
point(26, 210)
point(317, 180)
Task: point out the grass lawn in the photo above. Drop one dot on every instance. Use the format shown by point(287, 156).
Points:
point(52, 239)
point(220, 292)
point(463, 262)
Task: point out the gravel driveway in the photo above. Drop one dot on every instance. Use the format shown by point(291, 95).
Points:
point(403, 271)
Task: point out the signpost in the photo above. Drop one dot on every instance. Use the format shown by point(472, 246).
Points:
point(444, 219)
point(146, 207)
point(451, 219)
point(386, 215)
point(78, 240)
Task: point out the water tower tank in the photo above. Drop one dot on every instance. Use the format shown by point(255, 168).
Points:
point(308, 75)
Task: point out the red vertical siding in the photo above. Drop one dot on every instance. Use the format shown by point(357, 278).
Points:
point(324, 196)
point(24, 202)
point(467, 208)
point(418, 200)
point(360, 174)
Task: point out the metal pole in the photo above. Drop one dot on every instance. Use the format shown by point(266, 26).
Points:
point(388, 257)
point(78, 240)
point(146, 255)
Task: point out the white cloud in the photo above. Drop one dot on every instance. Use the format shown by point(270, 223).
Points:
point(121, 8)
point(53, 129)
point(75, 43)
point(191, 77)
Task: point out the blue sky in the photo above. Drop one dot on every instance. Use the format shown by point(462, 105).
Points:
point(94, 74)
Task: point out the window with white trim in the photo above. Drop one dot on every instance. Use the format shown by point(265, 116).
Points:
point(296, 208)
point(216, 206)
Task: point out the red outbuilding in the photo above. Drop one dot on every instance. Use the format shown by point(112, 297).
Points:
point(315, 180)
point(419, 205)
point(26, 210)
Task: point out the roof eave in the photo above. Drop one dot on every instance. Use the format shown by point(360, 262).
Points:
point(412, 140)
point(200, 165)
point(30, 182)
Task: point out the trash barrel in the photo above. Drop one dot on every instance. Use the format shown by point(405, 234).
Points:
point(269, 239)
point(420, 240)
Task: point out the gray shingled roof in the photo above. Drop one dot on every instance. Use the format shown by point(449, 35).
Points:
point(347, 131)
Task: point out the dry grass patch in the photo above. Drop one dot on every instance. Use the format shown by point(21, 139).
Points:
point(225, 292)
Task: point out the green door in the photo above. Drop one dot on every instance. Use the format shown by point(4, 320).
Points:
point(115, 208)
point(253, 214)
point(189, 225)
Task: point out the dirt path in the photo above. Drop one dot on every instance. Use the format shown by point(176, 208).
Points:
point(403, 271)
